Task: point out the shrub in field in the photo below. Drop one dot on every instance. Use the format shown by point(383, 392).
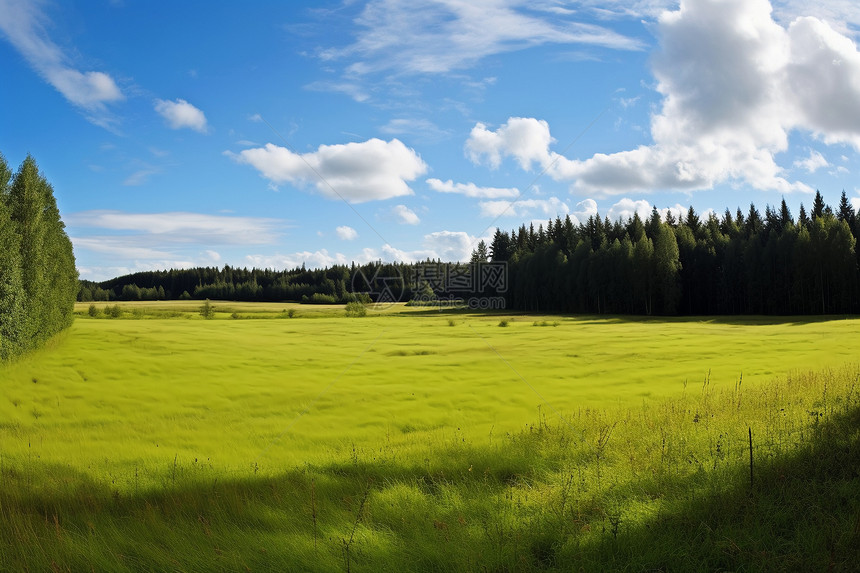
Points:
point(207, 311)
point(355, 309)
point(504, 322)
point(114, 311)
point(93, 310)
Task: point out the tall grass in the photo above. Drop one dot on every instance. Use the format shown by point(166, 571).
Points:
point(661, 486)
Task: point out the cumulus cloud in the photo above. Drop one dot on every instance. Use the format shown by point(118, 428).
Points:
point(472, 190)
point(405, 215)
point(584, 209)
point(735, 84)
point(626, 208)
point(551, 207)
point(181, 114)
point(525, 139)
point(25, 26)
point(813, 163)
point(448, 246)
point(346, 233)
point(357, 172)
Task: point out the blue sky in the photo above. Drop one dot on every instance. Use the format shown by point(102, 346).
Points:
point(273, 134)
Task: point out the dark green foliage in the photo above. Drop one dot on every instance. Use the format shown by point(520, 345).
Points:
point(38, 278)
point(737, 264)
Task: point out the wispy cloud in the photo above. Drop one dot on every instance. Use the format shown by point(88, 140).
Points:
point(813, 163)
point(25, 26)
point(181, 227)
point(431, 36)
point(472, 190)
point(140, 177)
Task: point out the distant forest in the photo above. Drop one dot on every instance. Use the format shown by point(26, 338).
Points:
point(742, 263)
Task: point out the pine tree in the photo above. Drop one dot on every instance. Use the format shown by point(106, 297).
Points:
point(818, 206)
point(846, 211)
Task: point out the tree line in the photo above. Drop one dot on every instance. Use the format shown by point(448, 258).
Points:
point(741, 263)
point(38, 278)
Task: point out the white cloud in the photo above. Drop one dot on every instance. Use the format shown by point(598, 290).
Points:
point(813, 163)
point(447, 246)
point(625, 209)
point(25, 26)
point(180, 114)
point(855, 201)
point(351, 89)
point(346, 233)
point(451, 246)
point(677, 211)
point(429, 36)
point(584, 209)
point(316, 259)
point(551, 207)
point(472, 190)
point(357, 172)
point(735, 84)
point(405, 215)
point(180, 227)
point(527, 140)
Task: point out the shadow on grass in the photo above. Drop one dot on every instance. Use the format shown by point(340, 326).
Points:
point(740, 320)
point(466, 510)
point(802, 513)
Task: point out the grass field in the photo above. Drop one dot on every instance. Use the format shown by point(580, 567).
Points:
point(419, 440)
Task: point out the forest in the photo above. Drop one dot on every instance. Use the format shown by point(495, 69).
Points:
point(741, 263)
point(38, 278)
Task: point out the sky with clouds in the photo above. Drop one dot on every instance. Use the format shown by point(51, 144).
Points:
point(276, 134)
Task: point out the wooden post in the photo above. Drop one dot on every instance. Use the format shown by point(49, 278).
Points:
point(751, 459)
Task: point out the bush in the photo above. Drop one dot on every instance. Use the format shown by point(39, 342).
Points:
point(504, 322)
point(207, 311)
point(291, 313)
point(355, 309)
point(93, 310)
point(114, 311)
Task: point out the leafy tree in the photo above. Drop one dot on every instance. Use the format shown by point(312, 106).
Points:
point(12, 293)
point(207, 311)
point(48, 270)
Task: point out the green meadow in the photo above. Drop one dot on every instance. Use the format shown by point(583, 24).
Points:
point(290, 437)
